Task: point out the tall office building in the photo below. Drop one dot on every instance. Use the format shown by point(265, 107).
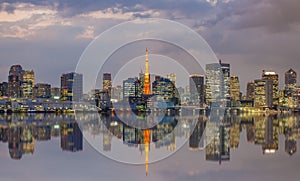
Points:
point(27, 83)
point(41, 90)
point(197, 88)
point(107, 84)
point(165, 89)
point(71, 86)
point(117, 93)
point(235, 92)
point(172, 78)
point(290, 79)
point(218, 82)
point(263, 93)
point(274, 77)
point(130, 87)
point(3, 89)
point(15, 79)
point(250, 90)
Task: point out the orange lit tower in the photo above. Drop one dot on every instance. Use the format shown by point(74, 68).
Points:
point(147, 76)
point(147, 147)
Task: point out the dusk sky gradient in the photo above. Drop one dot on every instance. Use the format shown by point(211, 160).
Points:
point(50, 36)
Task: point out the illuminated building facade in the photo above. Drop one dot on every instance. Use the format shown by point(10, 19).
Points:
point(250, 90)
point(130, 87)
point(290, 80)
point(107, 83)
point(263, 93)
point(15, 79)
point(197, 88)
point(55, 92)
point(41, 90)
point(235, 92)
point(218, 83)
point(165, 89)
point(27, 84)
point(71, 86)
point(117, 93)
point(274, 77)
point(147, 88)
point(3, 89)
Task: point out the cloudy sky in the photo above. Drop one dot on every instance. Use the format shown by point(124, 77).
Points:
point(50, 36)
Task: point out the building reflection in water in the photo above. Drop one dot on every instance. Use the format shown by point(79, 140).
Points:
point(214, 135)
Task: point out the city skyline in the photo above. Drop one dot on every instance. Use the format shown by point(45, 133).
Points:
point(149, 90)
point(108, 77)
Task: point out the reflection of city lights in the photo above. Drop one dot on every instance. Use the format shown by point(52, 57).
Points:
point(56, 126)
point(185, 126)
point(114, 123)
point(270, 151)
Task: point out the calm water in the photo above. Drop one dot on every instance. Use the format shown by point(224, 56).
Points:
point(66, 147)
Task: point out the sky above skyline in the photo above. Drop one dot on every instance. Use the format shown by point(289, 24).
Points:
point(50, 36)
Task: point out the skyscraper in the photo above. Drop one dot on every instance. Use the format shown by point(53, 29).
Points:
point(250, 90)
point(3, 89)
point(263, 93)
point(27, 83)
point(235, 92)
point(130, 87)
point(107, 84)
point(147, 88)
point(15, 79)
point(273, 76)
point(41, 90)
point(165, 89)
point(290, 79)
point(197, 88)
point(218, 82)
point(71, 86)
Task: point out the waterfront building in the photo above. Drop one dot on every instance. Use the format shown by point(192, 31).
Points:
point(42, 90)
point(274, 77)
point(197, 89)
point(117, 93)
point(27, 84)
point(165, 90)
point(55, 92)
point(235, 92)
point(71, 86)
point(107, 83)
point(263, 93)
point(3, 89)
point(218, 83)
point(15, 78)
point(130, 87)
point(290, 80)
point(250, 90)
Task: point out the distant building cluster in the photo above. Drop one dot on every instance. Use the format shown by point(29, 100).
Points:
point(216, 88)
